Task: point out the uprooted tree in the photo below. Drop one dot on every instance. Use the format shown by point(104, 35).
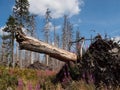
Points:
point(100, 63)
point(32, 44)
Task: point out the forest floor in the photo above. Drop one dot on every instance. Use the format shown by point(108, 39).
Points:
point(29, 79)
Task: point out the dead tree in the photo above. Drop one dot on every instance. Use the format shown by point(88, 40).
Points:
point(32, 44)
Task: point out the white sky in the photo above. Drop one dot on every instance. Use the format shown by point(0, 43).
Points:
point(58, 7)
point(1, 32)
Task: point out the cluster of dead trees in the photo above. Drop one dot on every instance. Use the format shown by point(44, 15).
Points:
point(100, 63)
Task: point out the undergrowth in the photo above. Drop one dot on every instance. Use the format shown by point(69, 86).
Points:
point(28, 79)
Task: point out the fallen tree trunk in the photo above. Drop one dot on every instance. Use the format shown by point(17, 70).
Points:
point(32, 44)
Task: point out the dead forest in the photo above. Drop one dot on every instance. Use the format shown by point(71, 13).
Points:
point(100, 63)
point(64, 53)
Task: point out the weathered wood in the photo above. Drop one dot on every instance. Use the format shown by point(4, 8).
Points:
point(32, 44)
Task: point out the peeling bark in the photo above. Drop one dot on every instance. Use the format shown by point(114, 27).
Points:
point(32, 44)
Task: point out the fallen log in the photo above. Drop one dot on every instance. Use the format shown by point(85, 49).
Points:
point(32, 44)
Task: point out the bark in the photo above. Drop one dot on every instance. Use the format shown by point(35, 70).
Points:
point(31, 44)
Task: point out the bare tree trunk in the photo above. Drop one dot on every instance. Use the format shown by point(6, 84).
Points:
point(17, 54)
point(29, 43)
point(13, 61)
point(3, 54)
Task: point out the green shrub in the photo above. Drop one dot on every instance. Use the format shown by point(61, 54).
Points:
point(7, 80)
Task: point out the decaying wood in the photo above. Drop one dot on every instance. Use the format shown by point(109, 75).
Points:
point(101, 62)
point(32, 44)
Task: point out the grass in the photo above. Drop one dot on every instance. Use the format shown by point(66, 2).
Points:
point(28, 79)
